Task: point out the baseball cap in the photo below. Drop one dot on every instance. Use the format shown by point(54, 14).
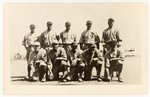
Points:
point(67, 23)
point(74, 44)
point(49, 23)
point(55, 42)
point(36, 44)
point(110, 20)
point(89, 22)
point(92, 45)
point(32, 26)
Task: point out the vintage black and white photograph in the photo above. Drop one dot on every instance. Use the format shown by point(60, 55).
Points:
point(75, 44)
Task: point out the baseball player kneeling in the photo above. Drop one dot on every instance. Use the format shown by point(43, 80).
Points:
point(77, 65)
point(37, 62)
point(115, 61)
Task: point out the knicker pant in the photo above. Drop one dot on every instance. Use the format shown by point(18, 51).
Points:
point(89, 67)
point(115, 66)
point(42, 71)
point(59, 66)
point(76, 71)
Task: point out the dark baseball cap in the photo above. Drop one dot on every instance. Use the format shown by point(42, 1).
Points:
point(49, 23)
point(36, 44)
point(55, 42)
point(88, 22)
point(67, 23)
point(110, 20)
point(32, 26)
point(74, 44)
point(92, 45)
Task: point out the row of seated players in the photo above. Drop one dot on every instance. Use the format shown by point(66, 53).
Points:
point(65, 64)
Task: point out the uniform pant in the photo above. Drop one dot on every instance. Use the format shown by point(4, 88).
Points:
point(76, 71)
point(89, 67)
point(115, 66)
point(59, 66)
point(67, 49)
point(29, 49)
point(106, 68)
point(40, 71)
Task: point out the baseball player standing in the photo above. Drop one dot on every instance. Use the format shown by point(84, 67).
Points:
point(88, 37)
point(109, 37)
point(27, 42)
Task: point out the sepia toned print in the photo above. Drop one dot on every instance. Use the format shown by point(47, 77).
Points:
point(75, 45)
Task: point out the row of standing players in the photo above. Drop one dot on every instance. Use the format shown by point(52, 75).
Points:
point(50, 59)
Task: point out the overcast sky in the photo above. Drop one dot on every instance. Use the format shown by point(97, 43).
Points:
point(127, 18)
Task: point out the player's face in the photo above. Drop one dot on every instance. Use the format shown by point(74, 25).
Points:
point(32, 28)
point(36, 47)
point(92, 49)
point(113, 48)
point(68, 27)
point(74, 47)
point(49, 26)
point(89, 26)
point(55, 46)
point(110, 24)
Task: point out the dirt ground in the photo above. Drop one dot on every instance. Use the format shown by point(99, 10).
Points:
point(131, 74)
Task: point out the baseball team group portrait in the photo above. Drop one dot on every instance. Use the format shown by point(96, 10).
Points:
point(58, 57)
point(74, 44)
